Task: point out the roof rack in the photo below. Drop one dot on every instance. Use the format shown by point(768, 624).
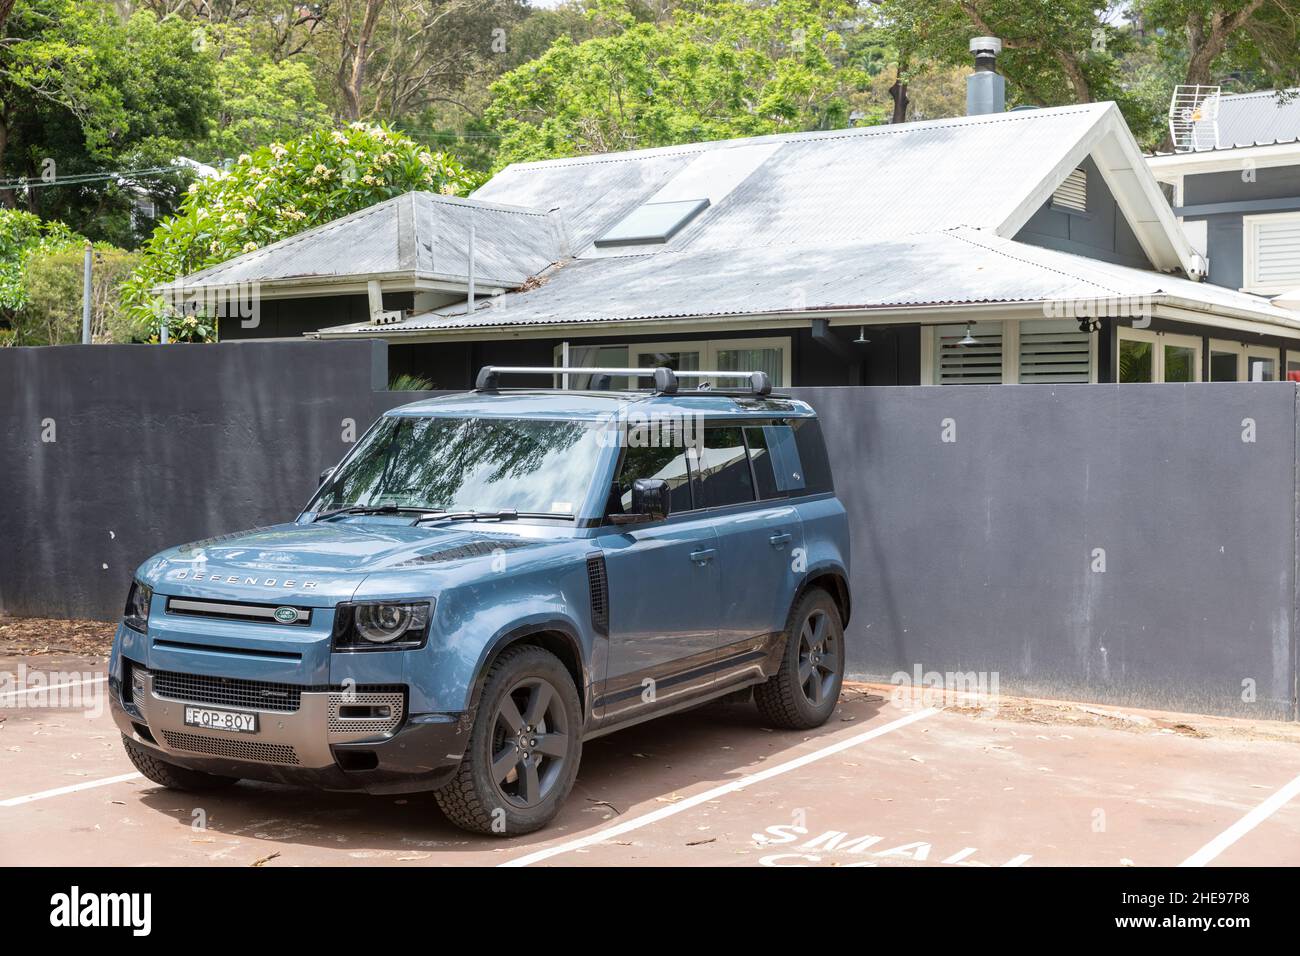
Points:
point(665, 379)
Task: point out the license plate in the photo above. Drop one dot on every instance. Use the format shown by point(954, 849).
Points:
point(211, 719)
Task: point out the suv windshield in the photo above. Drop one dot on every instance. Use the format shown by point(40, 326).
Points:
point(462, 464)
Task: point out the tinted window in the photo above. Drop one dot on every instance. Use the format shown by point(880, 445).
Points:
point(812, 456)
point(777, 465)
point(670, 464)
point(724, 467)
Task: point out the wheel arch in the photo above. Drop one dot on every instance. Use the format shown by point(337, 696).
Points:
point(834, 580)
point(556, 636)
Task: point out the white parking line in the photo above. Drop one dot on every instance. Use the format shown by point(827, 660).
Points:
point(42, 690)
point(60, 791)
point(1243, 826)
point(740, 783)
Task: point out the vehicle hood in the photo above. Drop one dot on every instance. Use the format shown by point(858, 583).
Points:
point(324, 563)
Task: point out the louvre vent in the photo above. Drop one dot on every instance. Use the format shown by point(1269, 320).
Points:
point(1073, 193)
point(976, 364)
point(1276, 259)
point(599, 583)
point(1054, 352)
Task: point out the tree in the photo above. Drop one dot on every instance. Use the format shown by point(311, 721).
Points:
point(23, 235)
point(715, 69)
point(279, 190)
point(53, 283)
point(82, 91)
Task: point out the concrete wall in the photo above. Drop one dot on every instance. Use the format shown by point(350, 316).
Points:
point(970, 555)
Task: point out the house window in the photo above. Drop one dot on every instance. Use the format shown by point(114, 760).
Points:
point(1072, 194)
point(1235, 362)
point(1225, 361)
point(770, 355)
point(1054, 351)
point(1146, 356)
point(1293, 366)
point(1271, 257)
point(975, 363)
point(652, 222)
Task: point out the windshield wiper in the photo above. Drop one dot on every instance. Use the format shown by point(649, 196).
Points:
point(503, 514)
point(371, 510)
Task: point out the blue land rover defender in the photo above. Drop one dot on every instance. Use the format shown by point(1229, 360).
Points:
point(486, 581)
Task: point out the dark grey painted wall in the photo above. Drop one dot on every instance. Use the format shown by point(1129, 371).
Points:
point(969, 555)
point(1102, 232)
point(977, 554)
point(156, 446)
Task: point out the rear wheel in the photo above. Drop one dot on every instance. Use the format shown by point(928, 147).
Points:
point(168, 774)
point(803, 693)
point(524, 748)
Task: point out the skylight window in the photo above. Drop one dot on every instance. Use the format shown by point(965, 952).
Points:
point(652, 222)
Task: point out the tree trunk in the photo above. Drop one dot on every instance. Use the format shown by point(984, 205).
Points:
point(898, 93)
point(356, 53)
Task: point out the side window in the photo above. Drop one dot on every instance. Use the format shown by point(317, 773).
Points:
point(670, 464)
point(777, 465)
point(812, 456)
point(724, 467)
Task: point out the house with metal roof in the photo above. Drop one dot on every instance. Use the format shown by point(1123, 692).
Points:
point(1234, 181)
point(1002, 247)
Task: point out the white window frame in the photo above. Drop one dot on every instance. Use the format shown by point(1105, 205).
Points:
point(707, 348)
point(1158, 342)
point(1250, 245)
point(1224, 345)
point(1264, 352)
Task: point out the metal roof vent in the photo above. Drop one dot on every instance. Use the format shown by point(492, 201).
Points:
point(1194, 118)
point(986, 90)
point(652, 222)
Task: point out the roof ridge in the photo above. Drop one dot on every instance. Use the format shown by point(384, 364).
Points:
point(882, 129)
point(1026, 260)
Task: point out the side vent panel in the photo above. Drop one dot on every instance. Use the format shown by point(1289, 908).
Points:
point(599, 584)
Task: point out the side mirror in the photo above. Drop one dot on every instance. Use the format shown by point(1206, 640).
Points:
point(651, 499)
point(325, 475)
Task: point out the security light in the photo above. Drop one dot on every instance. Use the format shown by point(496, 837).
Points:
point(968, 339)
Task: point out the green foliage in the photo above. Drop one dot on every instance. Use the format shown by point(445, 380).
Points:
point(82, 90)
point(22, 236)
point(282, 189)
point(407, 382)
point(261, 100)
point(53, 283)
point(716, 69)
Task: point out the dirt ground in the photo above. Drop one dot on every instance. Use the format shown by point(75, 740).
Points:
point(887, 782)
point(33, 636)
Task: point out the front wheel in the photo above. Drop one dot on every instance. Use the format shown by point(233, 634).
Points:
point(803, 693)
point(523, 750)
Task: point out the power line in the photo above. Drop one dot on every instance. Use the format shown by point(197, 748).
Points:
point(79, 178)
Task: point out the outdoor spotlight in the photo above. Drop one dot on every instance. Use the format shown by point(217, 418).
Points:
point(862, 336)
point(968, 339)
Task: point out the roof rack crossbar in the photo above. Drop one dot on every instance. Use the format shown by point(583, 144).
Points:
point(665, 379)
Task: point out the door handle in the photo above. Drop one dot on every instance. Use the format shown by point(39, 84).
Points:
point(703, 557)
point(780, 540)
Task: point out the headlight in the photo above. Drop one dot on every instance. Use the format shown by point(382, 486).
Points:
point(136, 615)
point(380, 625)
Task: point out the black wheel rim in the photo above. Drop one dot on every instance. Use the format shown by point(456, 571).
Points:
point(530, 743)
point(818, 658)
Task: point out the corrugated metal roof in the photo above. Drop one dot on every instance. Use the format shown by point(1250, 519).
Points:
point(831, 186)
point(418, 233)
point(960, 266)
point(1257, 119)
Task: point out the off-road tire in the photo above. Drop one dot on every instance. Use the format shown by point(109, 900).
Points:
point(471, 799)
point(782, 700)
point(168, 774)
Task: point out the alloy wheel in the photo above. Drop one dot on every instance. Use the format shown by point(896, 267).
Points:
point(530, 742)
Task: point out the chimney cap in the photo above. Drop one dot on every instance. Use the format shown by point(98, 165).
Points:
point(985, 45)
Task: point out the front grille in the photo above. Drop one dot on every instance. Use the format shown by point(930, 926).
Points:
point(340, 723)
point(239, 611)
point(233, 748)
point(228, 691)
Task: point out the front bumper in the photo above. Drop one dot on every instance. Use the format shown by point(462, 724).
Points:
point(316, 743)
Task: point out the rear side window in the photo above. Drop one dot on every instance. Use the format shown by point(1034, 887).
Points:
point(670, 464)
point(778, 468)
point(724, 467)
point(812, 456)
